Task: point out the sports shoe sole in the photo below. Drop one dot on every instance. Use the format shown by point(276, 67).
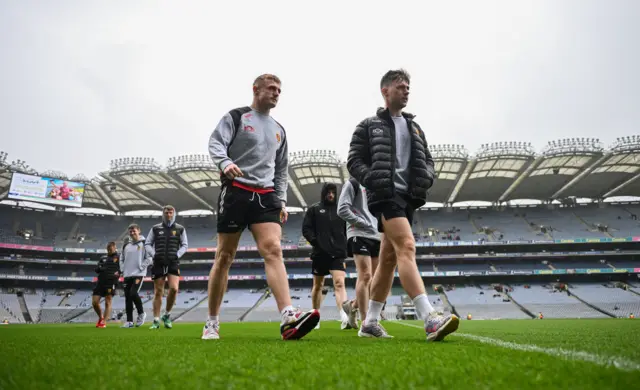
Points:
point(446, 329)
point(369, 335)
point(303, 328)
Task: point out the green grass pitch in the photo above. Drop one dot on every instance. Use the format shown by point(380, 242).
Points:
point(519, 354)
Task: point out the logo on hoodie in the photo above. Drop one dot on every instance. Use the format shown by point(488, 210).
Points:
point(278, 137)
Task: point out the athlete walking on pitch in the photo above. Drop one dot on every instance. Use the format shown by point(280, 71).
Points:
point(166, 243)
point(133, 267)
point(363, 245)
point(250, 149)
point(108, 271)
point(389, 156)
point(326, 233)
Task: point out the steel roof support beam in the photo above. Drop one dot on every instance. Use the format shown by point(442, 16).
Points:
point(106, 198)
point(187, 190)
point(621, 186)
point(520, 178)
point(461, 180)
point(581, 175)
point(295, 187)
point(130, 189)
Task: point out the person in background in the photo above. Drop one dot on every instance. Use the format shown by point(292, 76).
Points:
point(166, 243)
point(133, 266)
point(108, 271)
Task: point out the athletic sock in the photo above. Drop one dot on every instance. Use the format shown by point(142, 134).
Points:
point(213, 318)
point(374, 312)
point(167, 313)
point(157, 319)
point(423, 306)
point(286, 311)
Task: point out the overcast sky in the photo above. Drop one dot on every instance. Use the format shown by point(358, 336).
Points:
point(83, 82)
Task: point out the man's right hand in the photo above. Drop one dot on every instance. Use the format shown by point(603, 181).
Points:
point(232, 171)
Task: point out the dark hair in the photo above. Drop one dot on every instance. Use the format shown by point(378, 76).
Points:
point(111, 244)
point(394, 75)
point(133, 226)
point(168, 207)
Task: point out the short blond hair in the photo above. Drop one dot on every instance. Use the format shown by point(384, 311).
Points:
point(260, 80)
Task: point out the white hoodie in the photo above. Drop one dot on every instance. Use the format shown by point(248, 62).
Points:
point(134, 259)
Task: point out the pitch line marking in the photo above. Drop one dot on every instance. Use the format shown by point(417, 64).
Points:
point(605, 361)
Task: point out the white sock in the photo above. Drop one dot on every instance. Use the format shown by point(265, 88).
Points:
point(213, 318)
point(167, 313)
point(156, 319)
point(423, 306)
point(374, 312)
point(286, 310)
point(343, 315)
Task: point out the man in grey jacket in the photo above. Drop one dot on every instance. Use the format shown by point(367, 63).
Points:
point(363, 245)
point(133, 265)
point(250, 149)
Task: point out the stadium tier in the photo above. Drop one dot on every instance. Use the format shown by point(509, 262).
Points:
point(558, 258)
point(535, 224)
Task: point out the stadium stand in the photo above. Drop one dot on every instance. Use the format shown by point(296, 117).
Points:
point(497, 174)
point(552, 303)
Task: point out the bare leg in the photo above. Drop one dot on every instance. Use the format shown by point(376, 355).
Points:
point(219, 274)
point(399, 234)
point(95, 302)
point(338, 287)
point(316, 291)
point(173, 291)
point(384, 274)
point(107, 307)
point(363, 284)
point(268, 236)
point(158, 291)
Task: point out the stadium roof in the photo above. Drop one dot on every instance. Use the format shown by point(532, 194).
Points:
point(498, 172)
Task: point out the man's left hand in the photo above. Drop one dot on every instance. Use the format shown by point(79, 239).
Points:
point(284, 215)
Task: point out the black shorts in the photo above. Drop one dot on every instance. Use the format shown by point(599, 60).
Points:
point(160, 271)
point(105, 288)
point(323, 266)
point(363, 246)
point(239, 208)
point(398, 207)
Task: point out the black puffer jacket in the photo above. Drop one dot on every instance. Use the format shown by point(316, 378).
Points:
point(372, 159)
point(324, 229)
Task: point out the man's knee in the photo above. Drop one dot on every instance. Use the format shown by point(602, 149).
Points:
point(224, 258)
point(271, 250)
point(406, 246)
point(173, 290)
point(365, 277)
point(338, 283)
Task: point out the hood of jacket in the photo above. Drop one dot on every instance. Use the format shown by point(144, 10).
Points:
point(326, 187)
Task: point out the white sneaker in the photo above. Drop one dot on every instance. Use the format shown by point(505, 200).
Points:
point(141, 318)
point(127, 324)
point(211, 330)
point(317, 326)
point(352, 320)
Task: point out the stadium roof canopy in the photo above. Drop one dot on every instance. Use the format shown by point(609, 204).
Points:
point(497, 173)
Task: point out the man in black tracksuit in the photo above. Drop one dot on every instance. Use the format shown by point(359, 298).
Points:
point(327, 234)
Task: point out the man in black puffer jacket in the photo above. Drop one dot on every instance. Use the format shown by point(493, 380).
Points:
point(390, 157)
point(327, 234)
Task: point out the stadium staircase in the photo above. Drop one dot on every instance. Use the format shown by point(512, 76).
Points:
point(188, 309)
point(446, 302)
point(23, 307)
point(74, 229)
point(263, 298)
point(589, 225)
point(594, 307)
point(505, 288)
point(632, 289)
